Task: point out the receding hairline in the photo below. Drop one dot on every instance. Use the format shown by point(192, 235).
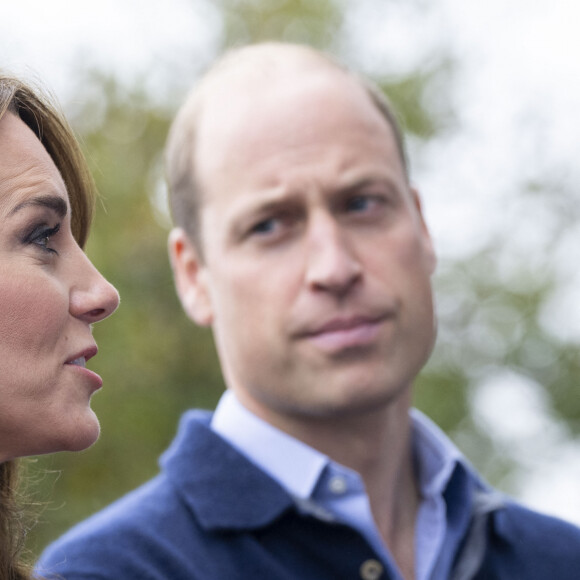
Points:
point(270, 61)
point(264, 62)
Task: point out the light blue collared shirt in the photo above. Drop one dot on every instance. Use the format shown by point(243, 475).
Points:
point(312, 478)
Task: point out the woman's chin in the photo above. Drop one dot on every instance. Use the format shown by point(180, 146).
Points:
point(81, 435)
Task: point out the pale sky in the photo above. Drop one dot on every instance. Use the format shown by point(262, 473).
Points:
point(516, 95)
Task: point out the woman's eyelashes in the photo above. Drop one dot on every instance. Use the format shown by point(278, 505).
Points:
point(41, 236)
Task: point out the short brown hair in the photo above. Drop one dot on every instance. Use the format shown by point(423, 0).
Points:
point(39, 112)
point(184, 190)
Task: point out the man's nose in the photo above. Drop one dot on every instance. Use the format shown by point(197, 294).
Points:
point(331, 262)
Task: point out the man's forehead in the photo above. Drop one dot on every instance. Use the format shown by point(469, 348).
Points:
point(261, 100)
point(250, 117)
point(262, 84)
point(258, 70)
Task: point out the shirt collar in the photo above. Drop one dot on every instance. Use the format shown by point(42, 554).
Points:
point(298, 467)
point(275, 452)
point(435, 455)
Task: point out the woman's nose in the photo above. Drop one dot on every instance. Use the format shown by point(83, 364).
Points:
point(92, 297)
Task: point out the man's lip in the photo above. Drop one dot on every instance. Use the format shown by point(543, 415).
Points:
point(339, 324)
point(83, 355)
point(344, 334)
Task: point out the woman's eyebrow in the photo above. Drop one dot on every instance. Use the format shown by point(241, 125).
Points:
point(53, 202)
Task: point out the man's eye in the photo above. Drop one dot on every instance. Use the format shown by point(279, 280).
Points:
point(266, 226)
point(360, 203)
point(365, 203)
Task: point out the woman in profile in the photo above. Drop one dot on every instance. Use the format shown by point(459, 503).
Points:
point(50, 295)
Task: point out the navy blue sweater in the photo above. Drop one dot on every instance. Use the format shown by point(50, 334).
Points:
point(212, 515)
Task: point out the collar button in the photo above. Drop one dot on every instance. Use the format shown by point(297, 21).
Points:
point(371, 570)
point(337, 485)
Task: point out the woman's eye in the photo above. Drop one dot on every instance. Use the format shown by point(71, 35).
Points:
point(42, 237)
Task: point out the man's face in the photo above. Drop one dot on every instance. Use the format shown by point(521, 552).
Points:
point(317, 262)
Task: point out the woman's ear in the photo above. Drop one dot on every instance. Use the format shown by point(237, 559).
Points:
point(190, 277)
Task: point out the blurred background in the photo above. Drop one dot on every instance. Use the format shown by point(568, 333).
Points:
point(488, 92)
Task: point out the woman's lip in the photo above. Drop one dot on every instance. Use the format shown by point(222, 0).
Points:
point(77, 363)
point(81, 357)
point(95, 379)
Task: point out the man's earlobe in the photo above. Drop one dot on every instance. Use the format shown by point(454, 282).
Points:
point(190, 278)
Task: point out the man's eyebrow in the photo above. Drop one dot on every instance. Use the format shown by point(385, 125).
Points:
point(53, 202)
point(368, 182)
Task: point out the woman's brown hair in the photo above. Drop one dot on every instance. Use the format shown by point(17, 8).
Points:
point(43, 117)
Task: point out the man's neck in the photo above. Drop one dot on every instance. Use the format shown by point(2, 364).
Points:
point(379, 448)
point(377, 445)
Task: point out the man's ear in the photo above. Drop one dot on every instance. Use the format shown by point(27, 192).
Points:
point(427, 240)
point(190, 277)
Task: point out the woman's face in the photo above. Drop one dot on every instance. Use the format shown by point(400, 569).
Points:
point(50, 294)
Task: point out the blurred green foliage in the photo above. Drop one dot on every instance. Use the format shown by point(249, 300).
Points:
point(313, 23)
point(156, 363)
